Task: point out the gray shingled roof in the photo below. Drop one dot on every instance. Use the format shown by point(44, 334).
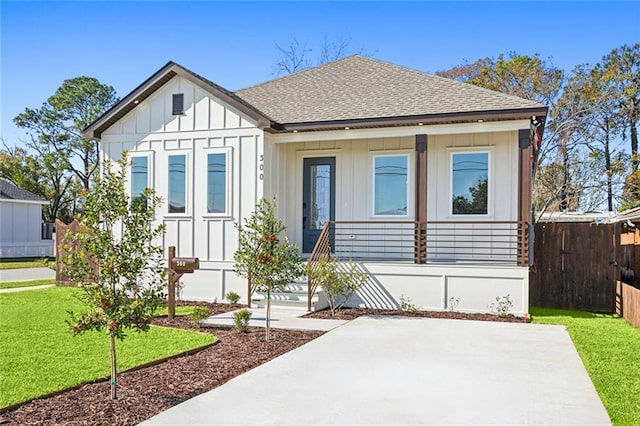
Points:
point(358, 87)
point(9, 191)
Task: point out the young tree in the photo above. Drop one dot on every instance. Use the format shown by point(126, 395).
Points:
point(338, 281)
point(115, 259)
point(263, 256)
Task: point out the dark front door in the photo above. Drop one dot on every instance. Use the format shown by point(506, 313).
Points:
point(318, 198)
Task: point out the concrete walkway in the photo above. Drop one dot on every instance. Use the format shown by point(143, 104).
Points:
point(385, 370)
point(21, 289)
point(280, 318)
point(26, 274)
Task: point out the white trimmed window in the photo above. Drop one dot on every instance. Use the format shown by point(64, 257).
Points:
point(390, 185)
point(139, 175)
point(217, 182)
point(177, 195)
point(470, 183)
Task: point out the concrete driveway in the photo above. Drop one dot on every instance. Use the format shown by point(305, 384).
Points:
point(383, 370)
point(26, 274)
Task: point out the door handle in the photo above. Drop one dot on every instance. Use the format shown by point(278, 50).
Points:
point(304, 222)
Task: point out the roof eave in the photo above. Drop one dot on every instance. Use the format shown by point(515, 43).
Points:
point(155, 82)
point(457, 117)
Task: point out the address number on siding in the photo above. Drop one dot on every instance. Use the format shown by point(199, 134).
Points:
point(261, 167)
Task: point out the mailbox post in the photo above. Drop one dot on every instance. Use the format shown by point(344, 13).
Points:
point(176, 268)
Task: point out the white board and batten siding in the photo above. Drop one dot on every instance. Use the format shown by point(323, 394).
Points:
point(21, 230)
point(354, 175)
point(207, 125)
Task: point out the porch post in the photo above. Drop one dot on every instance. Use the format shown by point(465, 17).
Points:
point(524, 196)
point(421, 199)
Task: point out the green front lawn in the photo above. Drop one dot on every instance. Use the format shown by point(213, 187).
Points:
point(25, 262)
point(32, 283)
point(610, 351)
point(39, 355)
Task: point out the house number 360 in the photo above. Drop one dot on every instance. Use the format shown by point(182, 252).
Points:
point(261, 167)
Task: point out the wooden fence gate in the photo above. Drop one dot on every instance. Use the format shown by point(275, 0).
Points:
point(61, 230)
point(577, 265)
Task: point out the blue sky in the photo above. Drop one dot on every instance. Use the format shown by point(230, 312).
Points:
point(233, 43)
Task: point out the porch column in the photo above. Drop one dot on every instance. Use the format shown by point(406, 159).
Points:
point(524, 195)
point(421, 199)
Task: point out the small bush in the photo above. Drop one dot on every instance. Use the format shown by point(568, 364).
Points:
point(502, 306)
point(232, 297)
point(199, 314)
point(406, 305)
point(453, 304)
point(338, 281)
point(241, 320)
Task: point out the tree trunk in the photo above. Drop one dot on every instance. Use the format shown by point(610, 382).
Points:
point(607, 159)
point(114, 372)
point(633, 119)
point(268, 316)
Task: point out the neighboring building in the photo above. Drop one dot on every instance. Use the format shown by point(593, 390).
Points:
point(424, 181)
point(21, 223)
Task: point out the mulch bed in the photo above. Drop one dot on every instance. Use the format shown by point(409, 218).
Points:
point(353, 313)
point(150, 390)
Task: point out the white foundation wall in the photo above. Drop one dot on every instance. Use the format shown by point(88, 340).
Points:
point(208, 125)
point(464, 288)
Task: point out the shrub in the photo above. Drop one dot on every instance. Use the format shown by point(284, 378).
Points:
point(406, 305)
point(453, 304)
point(241, 320)
point(502, 306)
point(199, 314)
point(232, 297)
point(337, 280)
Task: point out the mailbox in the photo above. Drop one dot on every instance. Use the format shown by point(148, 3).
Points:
point(185, 265)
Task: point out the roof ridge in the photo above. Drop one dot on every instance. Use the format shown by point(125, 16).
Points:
point(301, 72)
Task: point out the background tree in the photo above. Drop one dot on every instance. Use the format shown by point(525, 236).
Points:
point(115, 259)
point(44, 174)
point(297, 56)
point(529, 77)
point(621, 69)
point(597, 124)
point(264, 256)
point(58, 124)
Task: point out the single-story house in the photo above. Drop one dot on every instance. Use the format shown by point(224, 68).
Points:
point(21, 223)
point(424, 181)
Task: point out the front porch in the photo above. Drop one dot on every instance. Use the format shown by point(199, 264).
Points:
point(452, 265)
point(440, 219)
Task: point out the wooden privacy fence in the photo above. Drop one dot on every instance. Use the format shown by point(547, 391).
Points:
point(61, 230)
point(577, 265)
point(628, 303)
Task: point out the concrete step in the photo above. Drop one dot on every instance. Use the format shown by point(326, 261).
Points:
point(290, 301)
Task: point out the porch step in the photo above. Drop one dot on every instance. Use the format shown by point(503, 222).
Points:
point(292, 296)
